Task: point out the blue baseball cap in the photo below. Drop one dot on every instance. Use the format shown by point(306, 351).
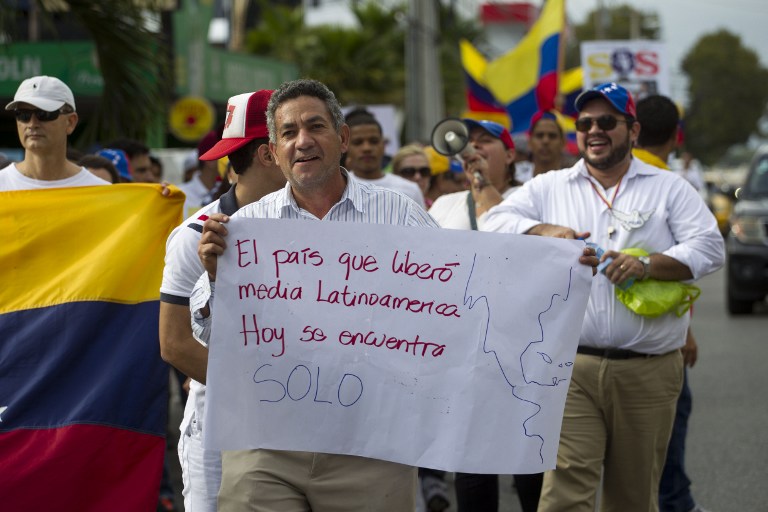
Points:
point(616, 95)
point(119, 160)
point(494, 129)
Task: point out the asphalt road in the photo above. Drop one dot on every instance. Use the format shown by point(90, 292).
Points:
point(727, 445)
point(728, 431)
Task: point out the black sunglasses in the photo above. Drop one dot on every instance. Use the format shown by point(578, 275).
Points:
point(42, 115)
point(605, 123)
point(410, 172)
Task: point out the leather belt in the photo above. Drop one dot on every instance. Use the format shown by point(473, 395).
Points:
point(612, 353)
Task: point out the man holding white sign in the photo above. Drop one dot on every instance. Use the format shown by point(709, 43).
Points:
point(313, 321)
point(307, 138)
point(629, 370)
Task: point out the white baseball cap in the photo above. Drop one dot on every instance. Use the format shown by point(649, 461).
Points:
point(44, 92)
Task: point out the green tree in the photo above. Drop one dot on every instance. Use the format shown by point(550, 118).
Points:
point(363, 65)
point(618, 22)
point(133, 62)
point(727, 91)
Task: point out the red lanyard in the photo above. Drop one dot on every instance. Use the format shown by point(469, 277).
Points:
point(602, 197)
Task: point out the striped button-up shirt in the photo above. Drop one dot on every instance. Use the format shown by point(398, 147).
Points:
point(360, 202)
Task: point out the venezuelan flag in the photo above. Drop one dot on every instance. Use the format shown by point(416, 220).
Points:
point(83, 391)
point(481, 104)
point(525, 78)
point(571, 85)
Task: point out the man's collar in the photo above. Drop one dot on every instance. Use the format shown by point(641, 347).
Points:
point(649, 158)
point(353, 192)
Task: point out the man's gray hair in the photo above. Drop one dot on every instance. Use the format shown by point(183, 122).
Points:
point(303, 87)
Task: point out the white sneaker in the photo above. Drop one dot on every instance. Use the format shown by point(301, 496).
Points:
point(435, 492)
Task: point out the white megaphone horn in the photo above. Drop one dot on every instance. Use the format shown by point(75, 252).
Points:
point(451, 137)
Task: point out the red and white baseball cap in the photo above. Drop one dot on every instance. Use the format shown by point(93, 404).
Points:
point(246, 120)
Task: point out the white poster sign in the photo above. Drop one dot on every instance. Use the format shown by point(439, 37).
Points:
point(430, 347)
point(640, 66)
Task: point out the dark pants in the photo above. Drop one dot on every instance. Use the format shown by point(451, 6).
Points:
point(477, 493)
point(675, 487)
point(480, 493)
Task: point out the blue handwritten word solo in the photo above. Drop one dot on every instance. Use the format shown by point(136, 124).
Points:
point(299, 383)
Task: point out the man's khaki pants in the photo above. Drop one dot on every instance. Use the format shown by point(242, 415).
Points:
point(618, 417)
point(283, 481)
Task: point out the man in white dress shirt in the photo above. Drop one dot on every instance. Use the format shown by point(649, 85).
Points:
point(629, 369)
point(307, 136)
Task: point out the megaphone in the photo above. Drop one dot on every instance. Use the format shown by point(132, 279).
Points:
point(451, 137)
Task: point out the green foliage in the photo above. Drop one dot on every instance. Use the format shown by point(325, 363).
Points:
point(728, 94)
point(618, 22)
point(363, 65)
point(135, 67)
point(133, 62)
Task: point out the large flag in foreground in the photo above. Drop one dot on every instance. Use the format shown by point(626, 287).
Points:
point(83, 391)
point(525, 78)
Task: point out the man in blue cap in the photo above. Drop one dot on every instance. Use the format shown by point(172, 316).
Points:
point(628, 369)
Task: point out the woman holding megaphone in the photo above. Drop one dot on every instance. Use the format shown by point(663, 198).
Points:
point(488, 153)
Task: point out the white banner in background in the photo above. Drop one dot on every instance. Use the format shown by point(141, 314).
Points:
point(430, 347)
point(640, 66)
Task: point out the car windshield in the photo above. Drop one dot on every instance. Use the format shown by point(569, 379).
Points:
point(757, 183)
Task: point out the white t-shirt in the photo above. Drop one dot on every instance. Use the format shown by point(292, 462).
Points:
point(182, 269)
point(197, 195)
point(399, 184)
point(452, 212)
point(12, 179)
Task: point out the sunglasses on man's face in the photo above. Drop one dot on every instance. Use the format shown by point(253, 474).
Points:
point(605, 123)
point(42, 115)
point(410, 172)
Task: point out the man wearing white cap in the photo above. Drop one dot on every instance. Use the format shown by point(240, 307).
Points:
point(44, 108)
point(244, 140)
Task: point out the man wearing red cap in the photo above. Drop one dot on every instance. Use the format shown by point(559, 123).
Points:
point(245, 141)
point(628, 369)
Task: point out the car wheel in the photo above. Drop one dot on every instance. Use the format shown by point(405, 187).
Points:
point(739, 307)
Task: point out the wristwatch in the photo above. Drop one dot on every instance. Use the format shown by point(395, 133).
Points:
point(646, 261)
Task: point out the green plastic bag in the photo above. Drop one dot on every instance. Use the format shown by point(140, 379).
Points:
point(654, 298)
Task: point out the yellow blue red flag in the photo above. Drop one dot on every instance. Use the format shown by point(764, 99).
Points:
point(525, 79)
point(83, 390)
point(480, 101)
point(571, 85)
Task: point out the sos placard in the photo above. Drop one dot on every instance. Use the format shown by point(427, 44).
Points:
point(640, 66)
